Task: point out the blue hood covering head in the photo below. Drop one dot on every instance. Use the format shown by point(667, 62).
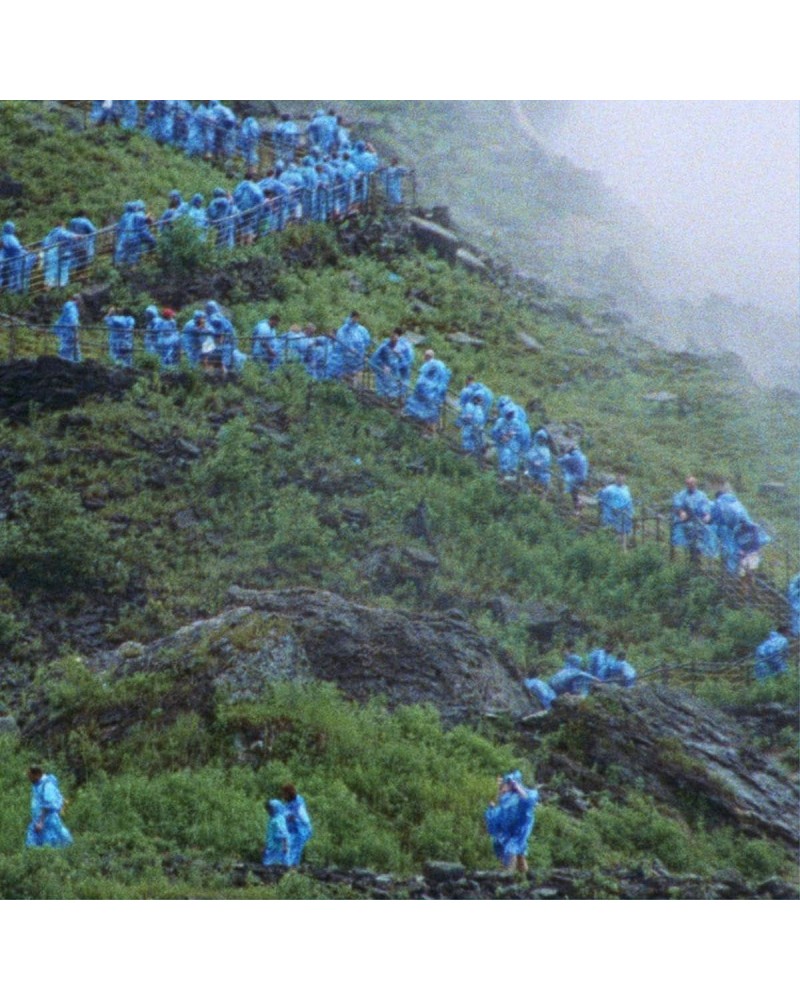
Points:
point(219, 193)
point(9, 227)
point(513, 776)
point(197, 200)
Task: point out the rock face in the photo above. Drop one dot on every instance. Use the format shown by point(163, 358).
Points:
point(678, 749)
point(54, 384)
point(407, 658)
point(445, 880)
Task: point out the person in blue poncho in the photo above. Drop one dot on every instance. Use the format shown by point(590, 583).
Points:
point(472, 420)
point(392, 362)
point(298, 823)
point(740, 538)
point(691, 521)
point(158, 121)
point(151, 324)
point(133, 234)
point(572, 678)
point(168, 340)
point(264, 347)
point(129, 114)
point(349, 350)
point(197, 213)
point(617, 670)
point(46, 828)
point(616, 507)
point(249, 201)
point(57, 247)
point(14, 268)
point(276, 849)
point(174, 210)
point(224, 130)
point(393, 182)
point(66, 329)
point(793, 596)
point(771, 654)
point(509, 822)
point(538, 460)
point(193, 335)
point(471, 386)
point(426, 401)
point(82, 247)
point(222, 217)
point(507, 435)
point(575, 470)
point(249, 141)
point(285, 138)
point(120, 337)
point(542, 691)
point(104, 112)
point(598, 660)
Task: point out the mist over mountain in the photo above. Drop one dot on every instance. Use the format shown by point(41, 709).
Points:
point(682, 214)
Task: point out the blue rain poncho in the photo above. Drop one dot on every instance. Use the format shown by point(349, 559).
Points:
point(771, 656)
point(200, 131)
point(265, 346)
point(793, 596)
point(249, 201)
point(472, 420)
point(574, 469)
point(197, 213)
point(276, 850)
point(158, 121)
point(393, 183)
point(192, 337)
point(222, 216)
point(511, 821)
point(46, 805)
point(151, 320)
point(285, 138)
point(224, 129)
point(133, 234)
point(177, 208)
point(83, 246)
point(425, 403)
point(349, 350)
point(12, 260)
point(692, 530)
point(467, 395)
point(597, 662)
point(737, 534)
point(572, 680)
point(249, 140)
point(508, 435)
point(616, 508)
point(299, 826)
point(168, 343)
point(538, 459)
point(66, 329)
point(181, 116)
point(343, 182)
point(392, 366)
point(129, 114)
point(541, 690)
point(57, 247)
point(104, 111)
point(295, 184)
point(120, 339)
point(617, 671)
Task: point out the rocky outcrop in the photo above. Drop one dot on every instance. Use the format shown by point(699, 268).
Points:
point(50, 383)
point(445, 880)
point(676, 748)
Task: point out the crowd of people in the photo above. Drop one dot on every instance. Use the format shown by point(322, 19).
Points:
point(331, 180)
point(603, 666)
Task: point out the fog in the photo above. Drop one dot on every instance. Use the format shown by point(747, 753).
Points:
point(720, 178)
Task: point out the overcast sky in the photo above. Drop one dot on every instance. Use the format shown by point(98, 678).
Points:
point(723, 177)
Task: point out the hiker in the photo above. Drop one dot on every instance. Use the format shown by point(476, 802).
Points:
point(249, 140)
point(120, 337)
point(83, 246)
point(298, 823)
point(265, 345)
point(14, 258)
point(176, 208)
point(691, 521)
point(276, 849)
point(599, 660)
point(471, 386)
point(616, 507)
point(46, 828)
point(249, 201)
point(66, 329)
point(285, 137)
point(425, 403)
point(542, 690)
point(350, 343)
point(168, 342)
point(472, 420)
point(221, 215)
point(133, 234)
point(393, 182)
point(572, 678)
point(507, 435)
point(538, 460)
point(197, 213)
point(392, 362)
point(151, 325)
point(57, 247)
point(617, 670)
point(740, 539)
point(575, 470)
point(192, 337)
point(771, 654)
point(509, 823)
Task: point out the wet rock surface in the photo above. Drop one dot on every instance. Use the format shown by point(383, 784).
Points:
point(50, 383)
